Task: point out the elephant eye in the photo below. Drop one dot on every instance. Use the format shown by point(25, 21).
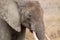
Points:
point(28, 19)
point(30, 15)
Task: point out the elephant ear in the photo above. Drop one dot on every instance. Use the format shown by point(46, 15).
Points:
point(11, 16)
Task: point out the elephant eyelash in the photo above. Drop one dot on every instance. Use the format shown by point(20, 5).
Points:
point(28, 19)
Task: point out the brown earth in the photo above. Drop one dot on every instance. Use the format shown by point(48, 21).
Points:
point(29, 35)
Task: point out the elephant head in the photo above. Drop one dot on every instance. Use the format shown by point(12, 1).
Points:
point(32, 18)
point(28, 13)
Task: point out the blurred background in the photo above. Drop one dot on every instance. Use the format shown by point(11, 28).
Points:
point(51, 19)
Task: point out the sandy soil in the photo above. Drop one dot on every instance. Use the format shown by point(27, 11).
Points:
point(51, 19)
point(29, 35)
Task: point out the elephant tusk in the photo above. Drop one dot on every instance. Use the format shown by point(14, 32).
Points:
point(35, 37)
point(47, 37)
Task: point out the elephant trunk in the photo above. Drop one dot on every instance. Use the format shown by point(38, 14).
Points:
point(39, 30)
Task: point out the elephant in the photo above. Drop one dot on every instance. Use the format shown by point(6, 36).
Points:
point(16, 16)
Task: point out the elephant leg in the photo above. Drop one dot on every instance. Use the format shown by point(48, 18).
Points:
point(21, 35)
point(4, 30)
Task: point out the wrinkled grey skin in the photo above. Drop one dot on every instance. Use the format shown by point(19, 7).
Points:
point(17, 15)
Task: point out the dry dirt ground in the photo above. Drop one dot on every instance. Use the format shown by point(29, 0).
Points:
point(29, 35)
point(51, 19)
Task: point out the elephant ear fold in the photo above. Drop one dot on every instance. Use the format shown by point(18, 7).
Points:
point(12, 17)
